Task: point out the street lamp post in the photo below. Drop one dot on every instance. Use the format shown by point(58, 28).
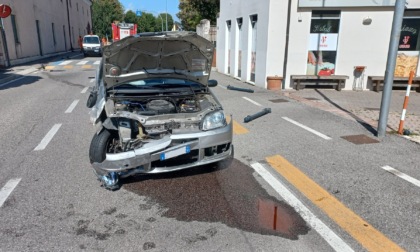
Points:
point(161, 19)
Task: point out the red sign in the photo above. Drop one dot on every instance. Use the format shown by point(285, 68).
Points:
point(5, 11)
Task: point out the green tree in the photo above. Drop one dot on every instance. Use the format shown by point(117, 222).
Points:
point(146, 22)
point(161, 19)
point(130, 17)
point(191, 12)
point(104, 13)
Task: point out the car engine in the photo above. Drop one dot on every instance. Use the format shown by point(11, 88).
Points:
point(158, 117)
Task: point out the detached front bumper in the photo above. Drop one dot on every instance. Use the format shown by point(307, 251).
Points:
point(171, 153)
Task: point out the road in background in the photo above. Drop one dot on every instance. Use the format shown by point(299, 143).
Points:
point(59, 205)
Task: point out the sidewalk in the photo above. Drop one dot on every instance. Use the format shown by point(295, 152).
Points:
point(364, 105)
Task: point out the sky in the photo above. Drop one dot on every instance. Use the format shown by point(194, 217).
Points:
point(152, 6)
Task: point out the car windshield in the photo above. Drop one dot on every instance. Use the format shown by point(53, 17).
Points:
point(91, 40)
point(163, 82)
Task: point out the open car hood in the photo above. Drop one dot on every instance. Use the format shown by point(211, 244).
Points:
point(182, 55)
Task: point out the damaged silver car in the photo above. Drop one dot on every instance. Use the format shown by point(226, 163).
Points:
point(153, 108)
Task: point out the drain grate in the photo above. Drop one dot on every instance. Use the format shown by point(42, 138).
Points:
point(279, 100)
point(360, 139)
point(311, 99)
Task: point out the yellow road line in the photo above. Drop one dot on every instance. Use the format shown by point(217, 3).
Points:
point(68, 66)
point(49, 67)
point(87, 66)
point(359, 229)
point(237, 128)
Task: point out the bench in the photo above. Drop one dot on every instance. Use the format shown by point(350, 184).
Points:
point(334, 80)
point(378, 82)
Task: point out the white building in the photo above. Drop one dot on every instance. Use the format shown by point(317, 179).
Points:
point(257, 39)
point(41, 28)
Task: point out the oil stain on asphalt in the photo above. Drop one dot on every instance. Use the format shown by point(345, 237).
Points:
point(225, 192)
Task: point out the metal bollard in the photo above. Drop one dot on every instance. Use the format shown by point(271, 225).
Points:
point(240, 89)
point(256, 115)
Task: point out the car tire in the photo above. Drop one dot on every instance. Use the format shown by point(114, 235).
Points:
point(100, 144)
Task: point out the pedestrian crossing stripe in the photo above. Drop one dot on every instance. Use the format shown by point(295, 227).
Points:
point(65, 63)
point(69, 64)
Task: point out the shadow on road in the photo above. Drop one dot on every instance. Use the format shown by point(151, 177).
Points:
point(358, 119)
point(19, 80)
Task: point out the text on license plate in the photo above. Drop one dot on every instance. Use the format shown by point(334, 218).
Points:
point(175, 153)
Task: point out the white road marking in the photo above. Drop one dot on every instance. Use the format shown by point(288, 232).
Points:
point(65, 62)
point(7, 190)
point(326, 233)
point(46, 140)
point(83, 62)
point(92, 80)
point(251, 101)
point(72, 106)
point(404, 176)
point(84, 90)
point(97, 62)
point(307, 128)
point(7, 83)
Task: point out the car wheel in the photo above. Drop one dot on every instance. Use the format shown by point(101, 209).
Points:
point(102, 143)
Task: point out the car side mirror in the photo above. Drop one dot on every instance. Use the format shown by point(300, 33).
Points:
point(212, 83)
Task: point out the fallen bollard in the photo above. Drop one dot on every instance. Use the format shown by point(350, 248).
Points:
point(256, 115)
point(240, 89)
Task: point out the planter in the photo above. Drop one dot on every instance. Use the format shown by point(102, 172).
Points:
point(274, 82)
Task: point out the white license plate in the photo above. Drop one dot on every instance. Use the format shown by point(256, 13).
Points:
point(175, 153)
point(96, 50)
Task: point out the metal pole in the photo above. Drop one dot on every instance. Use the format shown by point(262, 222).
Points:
point(390, 66)
point(166, 15)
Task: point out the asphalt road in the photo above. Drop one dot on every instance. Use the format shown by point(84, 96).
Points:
point(295, 184)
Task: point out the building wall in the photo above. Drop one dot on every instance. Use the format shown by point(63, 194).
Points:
point(47, 12)
point(232, 10)
point(358, 44)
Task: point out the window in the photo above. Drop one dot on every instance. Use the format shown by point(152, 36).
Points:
point(53, 33)
point(239, 21)
point(408, 46)
point(253, 19)
point(322, 51)
point(15, 30)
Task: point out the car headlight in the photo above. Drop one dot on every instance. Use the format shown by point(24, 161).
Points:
point(214, 120)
